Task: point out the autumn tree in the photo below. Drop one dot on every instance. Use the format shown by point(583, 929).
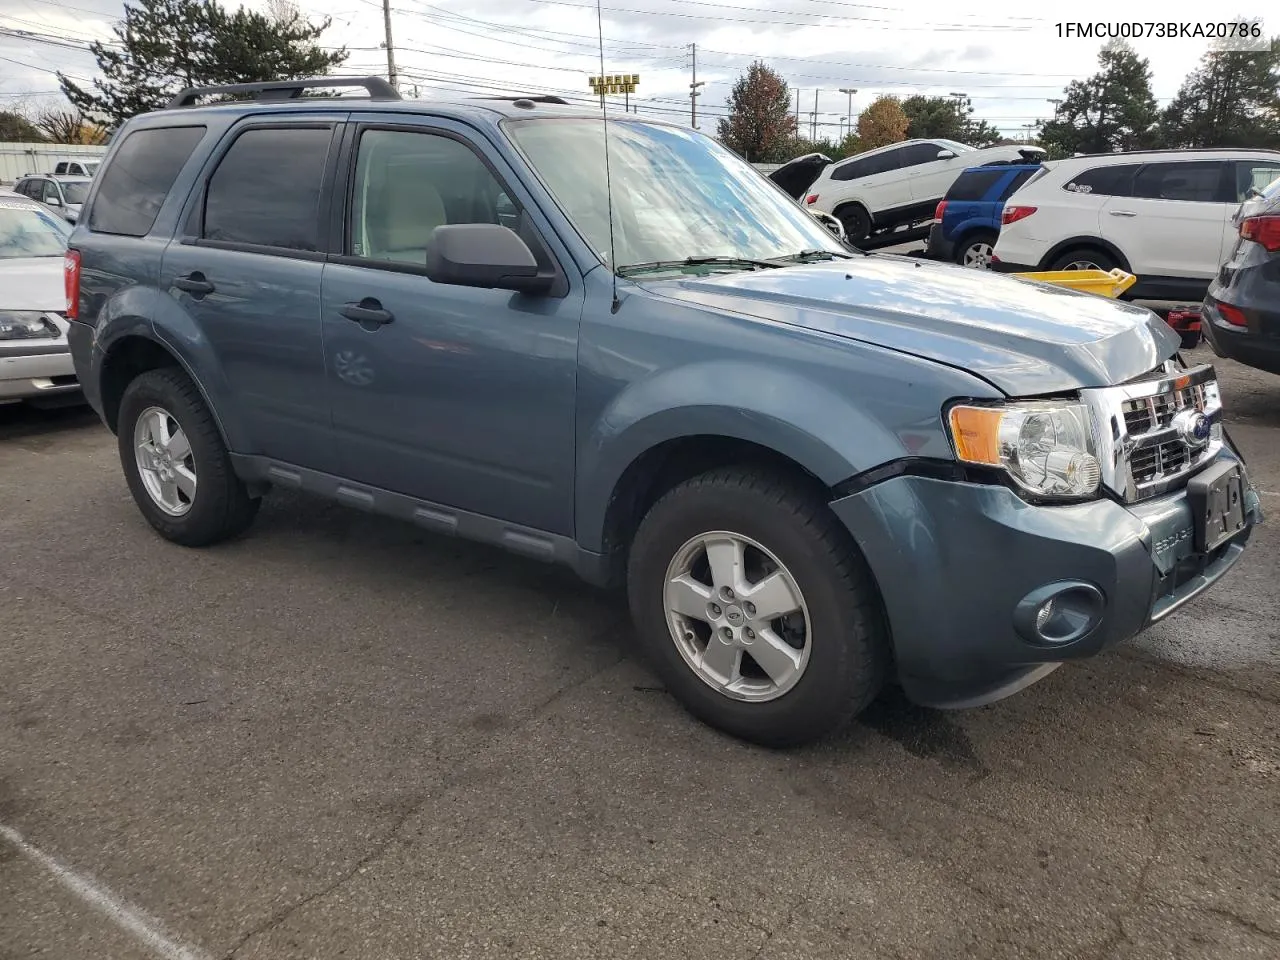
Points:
point(882, 123)
point(162, 46)
point(759, 126)
point(1111, 110)
point(1232, 99)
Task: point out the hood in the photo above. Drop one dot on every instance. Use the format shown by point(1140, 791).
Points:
point(1025, 338)
point(32, 283)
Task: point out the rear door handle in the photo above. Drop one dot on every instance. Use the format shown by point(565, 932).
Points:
point(1122, 213)
point(194, 284)
point(367, 312)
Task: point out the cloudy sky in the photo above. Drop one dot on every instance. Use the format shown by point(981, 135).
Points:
point(1009, 62)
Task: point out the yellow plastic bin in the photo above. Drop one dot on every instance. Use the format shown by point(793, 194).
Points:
point(1105, 283)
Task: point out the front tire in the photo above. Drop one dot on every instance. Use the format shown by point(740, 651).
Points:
point(756, 609)
point(176, 464)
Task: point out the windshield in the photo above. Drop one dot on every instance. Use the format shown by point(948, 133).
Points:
point(677, 194)
point(957, 147)
point(91, 168)
point(75, 192)
point(28, 231)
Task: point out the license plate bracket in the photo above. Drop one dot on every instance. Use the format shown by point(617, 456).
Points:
point(1216, 498)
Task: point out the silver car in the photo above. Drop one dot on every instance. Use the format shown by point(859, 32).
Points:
point(63, 194)
point(34, 361)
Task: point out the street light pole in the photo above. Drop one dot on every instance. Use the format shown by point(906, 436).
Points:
point(849, 92)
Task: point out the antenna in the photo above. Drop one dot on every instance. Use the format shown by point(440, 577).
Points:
point(608, 182)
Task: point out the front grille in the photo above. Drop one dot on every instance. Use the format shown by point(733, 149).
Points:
point(1147, 448)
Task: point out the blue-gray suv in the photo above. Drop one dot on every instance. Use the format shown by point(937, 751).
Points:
point(616, 346)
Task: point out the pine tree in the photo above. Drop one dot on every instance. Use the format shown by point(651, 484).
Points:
point(1111, 110)
point(1231, 100)
point(164, 45)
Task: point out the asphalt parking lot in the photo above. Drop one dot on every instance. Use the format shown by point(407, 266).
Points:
point(342, 737)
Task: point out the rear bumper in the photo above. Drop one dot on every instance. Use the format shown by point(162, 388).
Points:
point(32, 377)
point(1252, 345)
point(958, 563)
point(938, 246)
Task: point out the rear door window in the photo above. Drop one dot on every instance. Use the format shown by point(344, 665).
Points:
point(1114, 180)
point(918, 153)
point(973, 185)
point(1192, 181)
point(266, 189)
point(138, 179)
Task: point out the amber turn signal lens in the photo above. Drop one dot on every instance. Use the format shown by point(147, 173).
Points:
point(976, 431)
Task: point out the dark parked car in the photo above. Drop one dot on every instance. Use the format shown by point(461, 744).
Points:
point(808, 467)
point(1242, 308)
point(967, 221)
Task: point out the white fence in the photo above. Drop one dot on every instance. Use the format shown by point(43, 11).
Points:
point(19, 159)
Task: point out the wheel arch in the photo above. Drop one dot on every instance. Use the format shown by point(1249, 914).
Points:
point(1082, 243)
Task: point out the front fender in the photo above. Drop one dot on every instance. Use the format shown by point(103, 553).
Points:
point(145, 311)
point(821, 429)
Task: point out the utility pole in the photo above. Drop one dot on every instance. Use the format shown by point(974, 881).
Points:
point(813, 121)
point(797, 111)
point(693, 87)
point(391, 50)
point(849, 92)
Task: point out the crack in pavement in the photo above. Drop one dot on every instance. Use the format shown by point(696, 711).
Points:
point(383, 845)
point(1245, 922)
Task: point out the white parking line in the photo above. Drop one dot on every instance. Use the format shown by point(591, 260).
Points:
point(144, 929)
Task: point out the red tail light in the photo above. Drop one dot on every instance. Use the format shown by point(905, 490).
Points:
point(811, 198)
point(942, 208)
point(71, 283)
point(1233, 315)
point(1013, 214)
point(1263, 230)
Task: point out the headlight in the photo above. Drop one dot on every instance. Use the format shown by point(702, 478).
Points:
point(25, 325)
point(1045, 446)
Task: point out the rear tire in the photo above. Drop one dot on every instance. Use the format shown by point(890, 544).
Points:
point(1084, 258)
point(974, 250)
point(187, 489)
point(1191, 339)
point(856, 222)
point(836, 639)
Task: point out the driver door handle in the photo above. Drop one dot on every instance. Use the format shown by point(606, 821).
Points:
point(194, 284)
point(367, 310)
point(1122, 213)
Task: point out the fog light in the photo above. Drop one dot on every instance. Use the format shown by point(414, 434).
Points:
point(1059, 613)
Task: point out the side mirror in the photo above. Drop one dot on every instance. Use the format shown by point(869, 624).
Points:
point(54, 202)
point(484, 255)
point(946, 154)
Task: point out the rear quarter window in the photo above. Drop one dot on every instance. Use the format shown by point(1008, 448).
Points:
point(135, 183)
point(1113, 180)
point(973, 185)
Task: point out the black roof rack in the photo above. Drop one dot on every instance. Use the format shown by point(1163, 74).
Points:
point(535, 98)
point(378, 89)
point(1148, 152)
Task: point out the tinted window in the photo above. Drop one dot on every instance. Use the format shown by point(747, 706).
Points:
point(60, 168)
point(974, 184)
point(884, 162)
point(849, 171)
point(266, 189)
point(1019, 178)
point(1110, 181)
point(1255, 175)
point(407, 184)
point(138, 179)
point(1191, 181)
point(918, 153)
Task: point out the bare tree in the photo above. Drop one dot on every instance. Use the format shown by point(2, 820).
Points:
point(283, 12)
point(70, 126)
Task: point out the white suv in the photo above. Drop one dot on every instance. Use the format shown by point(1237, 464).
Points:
point(900, 185)
point(1164, 216)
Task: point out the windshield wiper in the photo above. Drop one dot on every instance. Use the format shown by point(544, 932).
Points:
point(809, 256)
point(633, 268)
